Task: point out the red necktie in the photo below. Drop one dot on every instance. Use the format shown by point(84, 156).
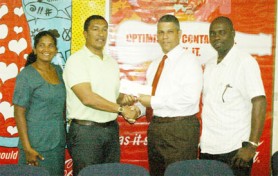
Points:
point(149, 110)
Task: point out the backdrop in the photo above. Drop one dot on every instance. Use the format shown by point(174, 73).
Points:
point(132, 42)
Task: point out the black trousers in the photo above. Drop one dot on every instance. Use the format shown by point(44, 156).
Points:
point(93, 145)
point(172, 141)
point(226, 158)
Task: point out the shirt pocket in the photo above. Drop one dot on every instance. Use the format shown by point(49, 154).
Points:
point(227, 92)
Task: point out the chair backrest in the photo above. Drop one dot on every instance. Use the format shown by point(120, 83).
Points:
point(113, 169)
point(22, 170)
point(274, 164)
point(198, 168)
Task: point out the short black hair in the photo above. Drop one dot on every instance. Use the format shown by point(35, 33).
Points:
point(224, 19)
point(91, 18)
point(170, 18)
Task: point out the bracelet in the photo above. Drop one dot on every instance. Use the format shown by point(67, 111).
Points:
point(253, 143)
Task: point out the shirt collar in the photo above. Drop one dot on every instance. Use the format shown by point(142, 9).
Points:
point(174, 52)
point(229, 57)
point(90, 54)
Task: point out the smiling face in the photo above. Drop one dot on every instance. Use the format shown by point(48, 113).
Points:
point(168, 36)
point(221, 35)
point(96, 35)
point(45, 49)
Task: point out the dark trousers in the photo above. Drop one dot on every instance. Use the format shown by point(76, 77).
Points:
point(93, 145)
point(226, 158)
point(173, 141)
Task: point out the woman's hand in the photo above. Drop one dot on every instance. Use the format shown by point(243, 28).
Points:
point(32, 157)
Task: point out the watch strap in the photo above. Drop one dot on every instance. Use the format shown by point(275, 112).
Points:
point(120, 110)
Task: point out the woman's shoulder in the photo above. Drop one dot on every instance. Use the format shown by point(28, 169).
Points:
point(26, 71)
point(57, 67)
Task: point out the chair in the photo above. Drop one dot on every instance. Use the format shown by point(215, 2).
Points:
point(113, 169)
point(198, 168)
point(274, 164)
point(22, 170)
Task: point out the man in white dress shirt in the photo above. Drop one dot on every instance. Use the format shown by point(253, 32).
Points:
point(174, 130)
point(234, 102)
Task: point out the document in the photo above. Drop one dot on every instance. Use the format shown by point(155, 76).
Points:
point(134, 88)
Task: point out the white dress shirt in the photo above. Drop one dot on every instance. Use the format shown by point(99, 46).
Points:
point(228, 89)
point(180, 84)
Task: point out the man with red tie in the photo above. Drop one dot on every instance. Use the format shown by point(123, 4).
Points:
point(176, 79)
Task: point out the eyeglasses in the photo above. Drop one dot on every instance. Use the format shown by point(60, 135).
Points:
point(226, 87)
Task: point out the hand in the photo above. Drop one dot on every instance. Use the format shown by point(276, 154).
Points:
point(32, 157)
point(131, 113)
point(138, 112)
point(145, 100)
point(127, 100)
point(243, 156)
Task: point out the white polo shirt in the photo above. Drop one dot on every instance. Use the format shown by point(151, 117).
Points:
point(228, 89)
point(104, 76)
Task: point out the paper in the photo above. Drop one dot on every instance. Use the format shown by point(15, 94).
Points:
point(134, 88)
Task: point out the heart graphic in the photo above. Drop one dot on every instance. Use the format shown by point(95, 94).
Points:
point(18, 11)
point(12, 130)
point(4, 31)
point(8, 72)
point(2, 49)
point(3, 10)
point(25, 56)
point(7, 110)
point(18, 29)
point(18, 46)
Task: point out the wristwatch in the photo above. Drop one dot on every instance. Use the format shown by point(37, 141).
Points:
point(120, 110)
point(254, 144)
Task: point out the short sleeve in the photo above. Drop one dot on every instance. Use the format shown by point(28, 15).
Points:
point(252, 79)
point(22, 91)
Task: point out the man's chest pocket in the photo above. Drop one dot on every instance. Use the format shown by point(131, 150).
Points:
point(227, 92)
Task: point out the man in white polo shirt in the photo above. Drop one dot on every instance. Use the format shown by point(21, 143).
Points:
point(93, 100)
point(234, 102)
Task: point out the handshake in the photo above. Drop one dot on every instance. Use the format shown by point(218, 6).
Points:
point(130, 112)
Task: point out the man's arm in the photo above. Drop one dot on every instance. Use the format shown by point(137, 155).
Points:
point(125, 99)
point(90, 99)
point(246, 153)
point(258, 118)
point(145, 100)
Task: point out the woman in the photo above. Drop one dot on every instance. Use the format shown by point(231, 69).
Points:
point(39, 101)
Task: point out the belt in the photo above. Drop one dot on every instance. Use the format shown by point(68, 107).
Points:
point(91, 123)
point(171, 119)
